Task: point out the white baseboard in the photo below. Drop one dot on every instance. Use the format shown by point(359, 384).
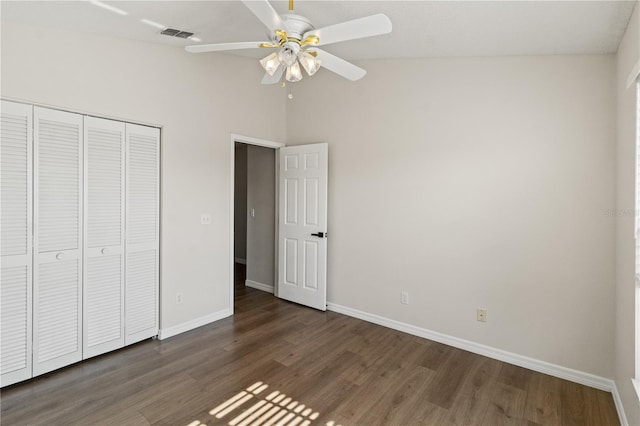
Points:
point(165, 333)
point(238, 260)
point(259, 286)
point(619, 407)
point(572, 375)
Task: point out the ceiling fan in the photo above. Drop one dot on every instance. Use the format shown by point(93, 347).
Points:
point(297, 39)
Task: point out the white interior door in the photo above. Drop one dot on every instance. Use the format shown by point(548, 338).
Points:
point(142, 230)
point(103, 282)
point(57, 289)
point(302, 234)
point(16, 246)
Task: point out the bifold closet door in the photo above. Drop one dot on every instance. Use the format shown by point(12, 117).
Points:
point(15, 247)
point(142, 232)
point(103, 316)
point(57, 280)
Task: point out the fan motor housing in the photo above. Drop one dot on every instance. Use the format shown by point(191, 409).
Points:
point(296, 25)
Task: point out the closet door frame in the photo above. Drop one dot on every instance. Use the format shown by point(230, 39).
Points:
point(40, 258)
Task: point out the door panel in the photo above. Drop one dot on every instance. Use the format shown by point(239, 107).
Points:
point(16, 242)
point(57, 289)
point(311, 202)
point(58, 313)
point(311, 265)
point(59, 159)
point(142, 228)
point(302, 264)
point(291, 261)
point(103, 324)
point(291, 197)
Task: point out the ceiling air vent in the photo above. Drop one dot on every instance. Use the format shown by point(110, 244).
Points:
point(172, 32)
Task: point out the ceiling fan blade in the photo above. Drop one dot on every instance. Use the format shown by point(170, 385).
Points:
point(265, 13)
point(219, 47)
point(275, 78)
point(351, 30)
point(340, 66)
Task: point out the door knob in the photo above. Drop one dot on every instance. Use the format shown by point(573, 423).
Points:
point(59, 256)
point(103, 251)
point(320, 234)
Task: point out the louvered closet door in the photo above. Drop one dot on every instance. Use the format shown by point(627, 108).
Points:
point(15, 247)
point(142, 226)
point(103, 314)
point(57, 310)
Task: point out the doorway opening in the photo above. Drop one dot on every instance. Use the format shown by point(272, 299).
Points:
point(254, 216)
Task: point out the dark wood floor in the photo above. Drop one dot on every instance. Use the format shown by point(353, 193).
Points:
point(276, 363)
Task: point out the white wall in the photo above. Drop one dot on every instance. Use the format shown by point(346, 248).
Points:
point(474, 182)
point(628, 55)
point(261, 195)
point(240, 202)
point(198, 99)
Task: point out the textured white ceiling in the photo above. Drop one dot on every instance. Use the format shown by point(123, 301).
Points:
point(420, 28)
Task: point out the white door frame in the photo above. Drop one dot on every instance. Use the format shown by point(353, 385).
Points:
point(257, 142)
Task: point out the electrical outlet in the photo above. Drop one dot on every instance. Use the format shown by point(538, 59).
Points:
point(205, 219)
point(481, 315)
point(404, 298)
point(178, 298)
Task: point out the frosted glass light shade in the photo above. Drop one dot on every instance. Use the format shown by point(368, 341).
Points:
point(270, 63)
point(294, 73)
point(310, 63)
point(287, 56)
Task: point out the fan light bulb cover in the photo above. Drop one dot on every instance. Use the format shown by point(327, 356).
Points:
point(294, 73)
point(310, 63)
point(270, 63)
point(287, 57)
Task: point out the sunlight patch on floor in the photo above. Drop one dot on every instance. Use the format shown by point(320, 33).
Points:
point(275, 409)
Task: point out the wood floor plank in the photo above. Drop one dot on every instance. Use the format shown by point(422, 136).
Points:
point(608, 412)
point(336, 369)
point(468, 410)
point(404, 396)
point(506, 406)
point(450, 377)
point(129, 407)
point(543, 401)
point(572, 403)
point(515, 376)
point(127, 417)
point(435, 355)
point(473, 399)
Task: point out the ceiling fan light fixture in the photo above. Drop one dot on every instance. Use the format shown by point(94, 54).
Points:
point(270, 63)
point(294, 73)
point(287, 56)
point(310, 63)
